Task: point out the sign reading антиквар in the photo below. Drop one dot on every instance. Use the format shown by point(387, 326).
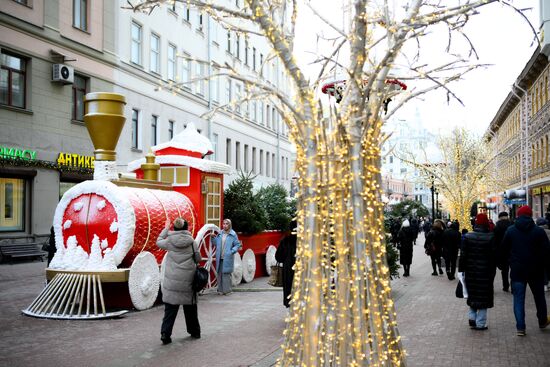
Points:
point(9, 152)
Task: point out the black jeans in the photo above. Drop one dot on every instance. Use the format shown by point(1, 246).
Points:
point(191, 319)
point(450, 265)
point(436, 260)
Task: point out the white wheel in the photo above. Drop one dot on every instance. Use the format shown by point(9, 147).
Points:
point(208, 251)
point(144, 281)
point(270, 258)
point(249, 266)
point(237, 274)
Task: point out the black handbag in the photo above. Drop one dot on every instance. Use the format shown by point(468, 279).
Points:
point(200, 279)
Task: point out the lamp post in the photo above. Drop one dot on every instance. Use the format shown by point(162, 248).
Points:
point(437, 202)
point(432, 189)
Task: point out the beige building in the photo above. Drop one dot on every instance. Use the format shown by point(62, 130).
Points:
point(520, 132)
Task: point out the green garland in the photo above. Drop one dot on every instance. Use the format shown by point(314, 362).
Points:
point(36, 163)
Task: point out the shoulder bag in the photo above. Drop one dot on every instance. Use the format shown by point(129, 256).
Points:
point(200, 279)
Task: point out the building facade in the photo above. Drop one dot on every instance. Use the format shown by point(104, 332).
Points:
point(53, 52)
point(520, 133)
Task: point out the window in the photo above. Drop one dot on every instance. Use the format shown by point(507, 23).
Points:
point(254, 112)
point(80, 14)
point(238, 46)
point(268, 116)
point(246, 51)
point(155, 53)
point(170, 129)
point(228, 93)
point(178, 176)
point(237, 155)
point(274, 118)
point(213, 200)
point(135, 129)
point(261, 161)
point(391, 159)
point(228, 49)
point(238, 92)
point(79, 91)
point(267, 160)
point(172, 62)
point(253, 160)
point(261, 113)
point(215, 86)
point(12, 80)
point(246, 158)
point(261, 64)
point(186, 13)
point(22, 2)
point(186, 72)
point(228, 151)
point(200, 27)
point(136, 43)
point(254, 58)
point(12, 210)
point(200, 83)
point(214, 156)
point(154, 121)
point(273, 167)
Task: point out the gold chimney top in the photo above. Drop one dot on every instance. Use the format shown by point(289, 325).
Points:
point(104, 119)
point(150, 168)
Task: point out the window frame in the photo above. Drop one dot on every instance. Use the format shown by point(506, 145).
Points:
point(171, 124)
point(154, 129)
point(82, 16)
point(172, 62)
point(154, 52)
point(74, 93)
point(11, 71)
point(135, 129)
point(174, 182)
point(137, 42)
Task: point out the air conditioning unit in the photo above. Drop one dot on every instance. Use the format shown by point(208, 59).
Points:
point(62, 74)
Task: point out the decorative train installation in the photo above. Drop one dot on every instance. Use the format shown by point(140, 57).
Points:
point(106, 229)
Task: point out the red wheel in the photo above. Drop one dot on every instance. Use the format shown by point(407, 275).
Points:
point(208, 251)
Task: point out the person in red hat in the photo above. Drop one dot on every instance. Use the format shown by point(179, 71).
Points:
point(477, 261)
point(529, 254)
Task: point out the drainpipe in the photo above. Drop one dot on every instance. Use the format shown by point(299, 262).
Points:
point(209, 58)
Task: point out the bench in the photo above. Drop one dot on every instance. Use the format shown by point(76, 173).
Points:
point(21, 250)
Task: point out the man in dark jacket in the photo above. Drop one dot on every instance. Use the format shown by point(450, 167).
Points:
point(529, 250)
point(477, 261)
point(415, 228)
point(451, 243)
point(286, 254)
point(500, 228)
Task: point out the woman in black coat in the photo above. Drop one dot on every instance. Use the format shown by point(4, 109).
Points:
point(406, 237)
point(286, 254)
point(477, 261)
point(434, 245)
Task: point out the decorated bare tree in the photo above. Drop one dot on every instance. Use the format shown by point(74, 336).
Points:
point(464, 173)
point(342, 312)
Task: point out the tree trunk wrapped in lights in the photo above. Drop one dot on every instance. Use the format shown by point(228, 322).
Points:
point(342, 313)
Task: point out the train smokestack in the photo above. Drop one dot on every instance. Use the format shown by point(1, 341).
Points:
point(104, 119)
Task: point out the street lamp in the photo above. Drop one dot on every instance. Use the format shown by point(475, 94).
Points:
point(437, 202)
point(432, 189)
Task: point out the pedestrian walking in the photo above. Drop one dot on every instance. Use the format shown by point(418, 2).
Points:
point(544, 224)
point(51, 249)
point(406, 238)
point(182, 257)
point(434, 245)
point(227, 244)
point(415, 229)
point(477, 262)
point(502, 257)
point(529, 252)
point(451, 244)
point(426, 227)
point(286, 255)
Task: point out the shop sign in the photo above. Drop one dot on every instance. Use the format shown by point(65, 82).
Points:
point(26, 154)
point(75, 160)
point(543, 189)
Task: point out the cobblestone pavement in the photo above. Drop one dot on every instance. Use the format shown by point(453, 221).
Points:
point(245, 328)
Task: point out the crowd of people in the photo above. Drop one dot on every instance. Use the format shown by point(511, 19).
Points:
point(520, 249)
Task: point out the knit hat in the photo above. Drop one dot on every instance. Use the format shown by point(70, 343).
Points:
point(525, 210)
point(502, 214)
point(180, 223)
point(482, 220)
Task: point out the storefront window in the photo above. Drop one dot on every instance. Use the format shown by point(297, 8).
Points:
point(12, 210)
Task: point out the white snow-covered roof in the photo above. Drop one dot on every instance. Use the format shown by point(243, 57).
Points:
point(189, 139)
point(204, 165)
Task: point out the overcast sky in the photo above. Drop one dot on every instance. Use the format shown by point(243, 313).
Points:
point(501, 38)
